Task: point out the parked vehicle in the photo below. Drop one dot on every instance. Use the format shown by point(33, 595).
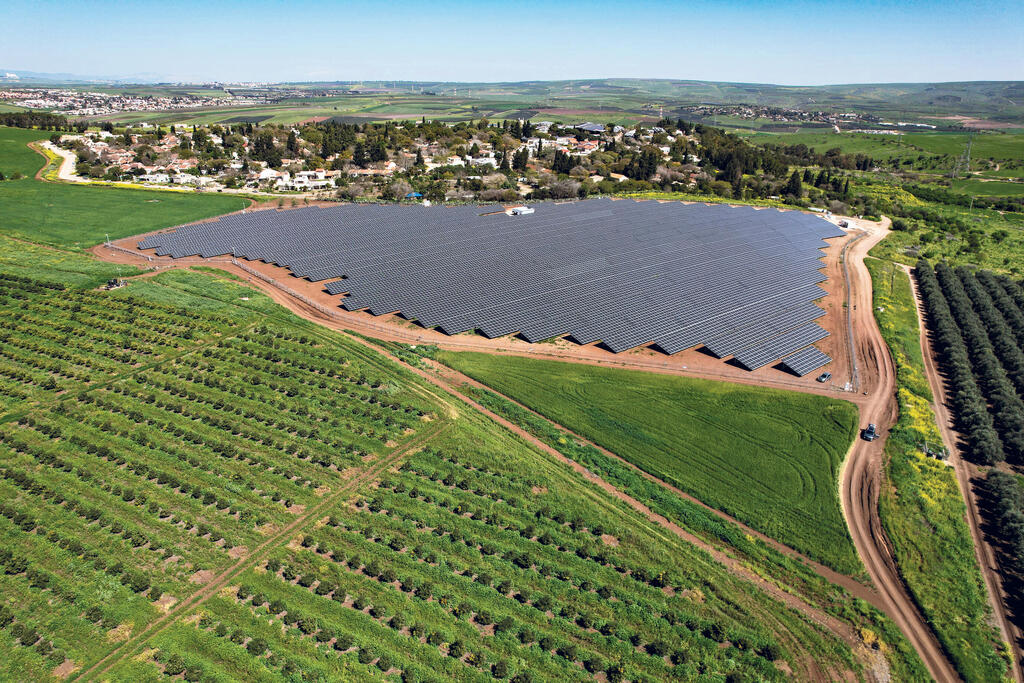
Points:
point(871, 433)
point(824, 377)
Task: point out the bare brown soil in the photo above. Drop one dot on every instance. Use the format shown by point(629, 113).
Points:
point(967, 475)
point(202, 577)
point(165, 602)
point(65, 669)
point(972, 122)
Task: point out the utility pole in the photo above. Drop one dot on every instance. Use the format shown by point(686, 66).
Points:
point(967, 159)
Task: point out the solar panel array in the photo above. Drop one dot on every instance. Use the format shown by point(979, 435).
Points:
point(625, 273)
point(806, 360)
point(765, 352)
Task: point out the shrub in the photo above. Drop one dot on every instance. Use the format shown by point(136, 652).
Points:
point(174, 665)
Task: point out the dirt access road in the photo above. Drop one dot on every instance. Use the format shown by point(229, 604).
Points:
point(966, 475)
point(861, 476)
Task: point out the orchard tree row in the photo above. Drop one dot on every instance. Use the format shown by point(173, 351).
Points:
point(974, 324)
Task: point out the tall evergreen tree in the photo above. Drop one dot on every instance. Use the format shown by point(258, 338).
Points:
point(795, 185)
point(359, 155)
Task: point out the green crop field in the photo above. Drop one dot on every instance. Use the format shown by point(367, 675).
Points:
point(477, 558)
point(986, 188)
point(123, 478)
point(923, 511)
point(996, 146)
point(76, 216)
point(769, 458)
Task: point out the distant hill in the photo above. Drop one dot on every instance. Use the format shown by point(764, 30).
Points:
point(1000, 101)
point(995, 100)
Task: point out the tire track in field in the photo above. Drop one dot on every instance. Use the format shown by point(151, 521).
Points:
point(862, 477)
point(211, 588)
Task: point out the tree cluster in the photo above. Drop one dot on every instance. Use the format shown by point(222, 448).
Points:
point(41, 120)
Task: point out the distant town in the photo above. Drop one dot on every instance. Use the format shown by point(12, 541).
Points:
point(79, 103)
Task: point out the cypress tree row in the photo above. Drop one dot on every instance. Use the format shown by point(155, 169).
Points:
point(1006, 501)
point(1003, 341)
point(1004, 506)
point(1005, 405)
point(1004, 302)
point(1014, 291)
point(969, 407)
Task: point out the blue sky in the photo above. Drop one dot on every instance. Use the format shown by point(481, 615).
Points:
point(785, 41)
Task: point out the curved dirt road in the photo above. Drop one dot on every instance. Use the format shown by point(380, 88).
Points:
point(861, 477)
point(68, 163)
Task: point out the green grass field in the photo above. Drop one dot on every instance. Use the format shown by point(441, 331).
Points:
point(75, 216)
point(769, 458)
point(986, 145)
point(984, 188)
point(923, 511)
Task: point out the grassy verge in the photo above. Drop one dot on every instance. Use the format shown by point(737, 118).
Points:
point(769, 458)
point(923, 511)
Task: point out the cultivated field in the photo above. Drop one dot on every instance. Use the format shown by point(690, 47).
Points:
point(778, 476)
point(926, 150)
point(68, 215)
point(195, 483)
point(478, 559)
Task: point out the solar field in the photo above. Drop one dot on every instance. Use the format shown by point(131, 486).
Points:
point(738, 280)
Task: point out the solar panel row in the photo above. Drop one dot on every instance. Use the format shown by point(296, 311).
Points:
point(784, 344)
point(806, 360)
point(625, 273)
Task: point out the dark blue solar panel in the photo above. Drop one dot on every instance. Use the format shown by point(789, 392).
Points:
point(625, 273)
